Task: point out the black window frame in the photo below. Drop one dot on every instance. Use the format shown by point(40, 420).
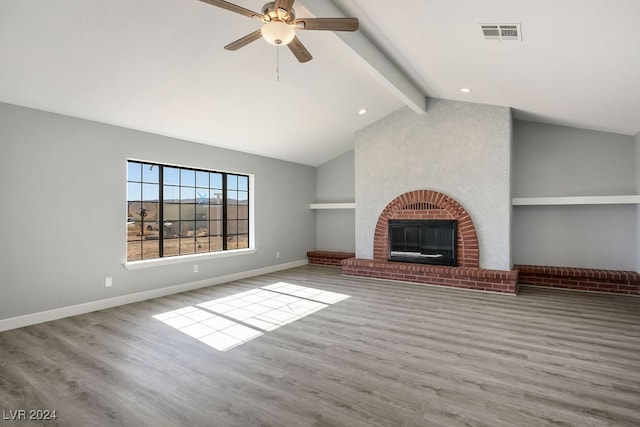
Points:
point(225, 219)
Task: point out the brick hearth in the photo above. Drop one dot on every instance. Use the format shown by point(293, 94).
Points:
point(455, 277)
point(581, 279)
point(328, 257)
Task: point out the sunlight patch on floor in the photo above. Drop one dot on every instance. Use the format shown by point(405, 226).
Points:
point(215, 322)
point(215, 331)
point(309, 293)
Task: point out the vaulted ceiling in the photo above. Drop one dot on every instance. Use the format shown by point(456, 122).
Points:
point(159, 66)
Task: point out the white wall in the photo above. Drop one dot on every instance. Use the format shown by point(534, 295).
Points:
point(63, 228)
point(460, 149)
point(335, 228)
point(551, 160)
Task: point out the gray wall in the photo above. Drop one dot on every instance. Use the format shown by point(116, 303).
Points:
point(638, 162)
point(591, 236)
point(335, 228)
point(553, 160)
point(63, 228)
point(637, 206)
point(460, 149)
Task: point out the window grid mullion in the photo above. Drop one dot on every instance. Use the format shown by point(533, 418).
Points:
point(224, 212)
point(161, 210)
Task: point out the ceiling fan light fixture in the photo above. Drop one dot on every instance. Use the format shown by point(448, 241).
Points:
point(279, 25)
point(278, 33)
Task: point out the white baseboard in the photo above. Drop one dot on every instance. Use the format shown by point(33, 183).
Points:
point(74, 310)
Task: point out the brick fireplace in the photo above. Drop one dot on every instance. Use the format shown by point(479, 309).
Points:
point(423, 205)
point(451, 148)
point(426, 204)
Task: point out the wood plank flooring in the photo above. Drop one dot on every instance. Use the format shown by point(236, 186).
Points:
point(390, 355)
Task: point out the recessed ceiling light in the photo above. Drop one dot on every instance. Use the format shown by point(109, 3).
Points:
point(362, 111)
point(465, 90)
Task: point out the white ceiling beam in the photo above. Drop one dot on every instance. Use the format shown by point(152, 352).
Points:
point(372, 59)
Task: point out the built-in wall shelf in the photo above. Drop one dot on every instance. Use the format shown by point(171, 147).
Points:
point(576, 200)
point(332, 206)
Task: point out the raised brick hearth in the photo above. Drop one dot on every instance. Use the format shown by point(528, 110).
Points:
point(455, 277)
point(581, 279)
point(328, 257)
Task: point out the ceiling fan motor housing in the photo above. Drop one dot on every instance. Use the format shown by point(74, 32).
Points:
point(270, 13)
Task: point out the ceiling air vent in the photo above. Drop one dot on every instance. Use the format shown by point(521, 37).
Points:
point(501, 31)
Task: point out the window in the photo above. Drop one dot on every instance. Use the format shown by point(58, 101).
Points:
point(174, 211)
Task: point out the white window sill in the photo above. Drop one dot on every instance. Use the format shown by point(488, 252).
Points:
point(158, 262)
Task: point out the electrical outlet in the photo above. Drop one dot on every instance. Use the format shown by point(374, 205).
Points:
point(195, 268)
point(277, 254)
point(108, 282)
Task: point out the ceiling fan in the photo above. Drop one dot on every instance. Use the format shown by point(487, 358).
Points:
point(279, 25)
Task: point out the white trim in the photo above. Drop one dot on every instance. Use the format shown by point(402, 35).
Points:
point(159, 262)
point(332, 206)
point(252, 213)
point(576, 200)
point(74, 310)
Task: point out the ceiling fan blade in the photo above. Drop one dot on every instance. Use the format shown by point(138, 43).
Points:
point(284, 4)
point(299, 51)
point(244, 40)
point(234, 8)
point(329, 24)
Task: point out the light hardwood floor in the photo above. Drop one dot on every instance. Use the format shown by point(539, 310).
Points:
point(392, 354)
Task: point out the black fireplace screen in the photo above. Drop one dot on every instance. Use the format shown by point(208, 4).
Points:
point(431, 241)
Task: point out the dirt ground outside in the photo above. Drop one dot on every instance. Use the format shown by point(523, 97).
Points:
point(147, 246)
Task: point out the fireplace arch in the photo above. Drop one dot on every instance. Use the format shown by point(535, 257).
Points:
point(428, 204)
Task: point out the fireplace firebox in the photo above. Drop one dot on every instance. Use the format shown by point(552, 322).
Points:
point(429, 241)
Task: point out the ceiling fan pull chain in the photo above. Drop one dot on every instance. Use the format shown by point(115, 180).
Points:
point(278, 63)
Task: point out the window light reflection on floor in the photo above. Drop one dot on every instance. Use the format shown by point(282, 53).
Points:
point(215, 331)
point(215, 322)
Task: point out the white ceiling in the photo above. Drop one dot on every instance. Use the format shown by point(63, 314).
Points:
point(159, 66)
